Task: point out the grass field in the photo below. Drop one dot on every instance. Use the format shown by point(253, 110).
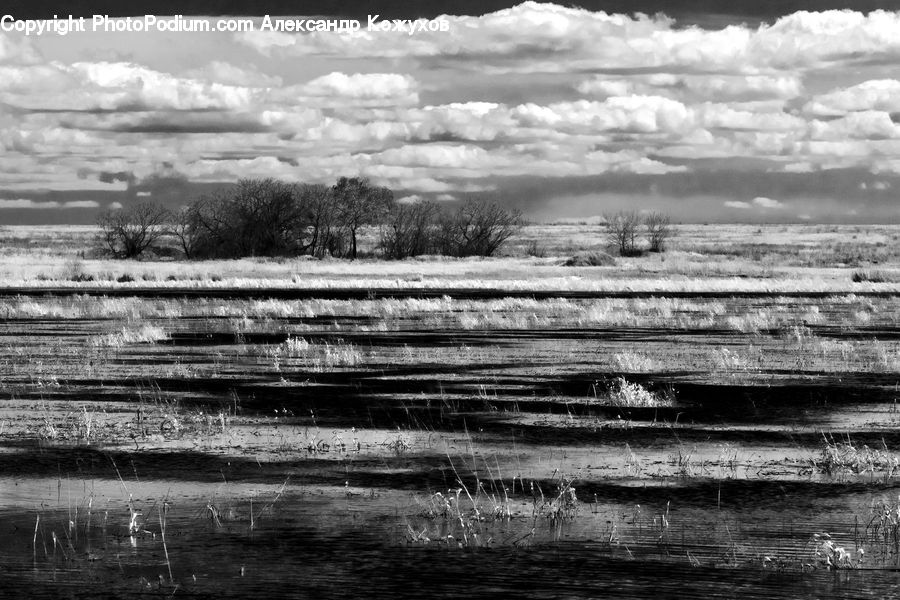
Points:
point(200, 428)
point(702, 258)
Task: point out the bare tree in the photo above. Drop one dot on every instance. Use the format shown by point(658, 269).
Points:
point(209, 230)
point(409, 230)
point(129, 232)
point(265, 218)
point(255, 217)
point(324, 234)
point(477, 228)
point(622, 229)
point(659, 230)
point(185, 227)
point(359, 204)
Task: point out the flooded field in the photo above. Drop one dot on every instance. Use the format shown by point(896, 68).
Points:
point(333, 446)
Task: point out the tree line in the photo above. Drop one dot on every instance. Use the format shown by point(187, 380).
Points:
point(267, 217)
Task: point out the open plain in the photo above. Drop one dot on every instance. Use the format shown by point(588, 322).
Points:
point(721, 416)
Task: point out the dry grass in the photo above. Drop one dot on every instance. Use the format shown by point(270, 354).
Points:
point(726, 258)
point(845, 457)
point(146, 334)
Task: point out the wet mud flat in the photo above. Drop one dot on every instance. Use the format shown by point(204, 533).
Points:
point(330, 447)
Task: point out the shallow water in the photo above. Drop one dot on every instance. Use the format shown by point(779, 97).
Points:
point(415, 456)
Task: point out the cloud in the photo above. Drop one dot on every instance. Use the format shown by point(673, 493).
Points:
point(640, 114)
point(114, 86)
point(767, 203)
point(439, 156)
point(718, 87)
point(27, 203)
point(81, 204)
point(542, 37)
point(872, 95)
point(226, 73)
point(17, 50)
point(730, 117)
point(369, 86)
point(737, 204)
point(866, 125)
point(554, 94)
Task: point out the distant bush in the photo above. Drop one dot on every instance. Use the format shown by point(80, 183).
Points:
point(410, 230)
point(255, 217)
point(73, 270)
point(536, 248)
point(274, 219)
point(659, 230)
point(622, 231)
point(131, 231)
point(868, 277)
point(477, 227)
point(623, 228)
point(633, 395)
point(266, 217)
point(591, 259)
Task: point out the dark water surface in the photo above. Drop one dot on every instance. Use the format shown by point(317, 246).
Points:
point(409, 456)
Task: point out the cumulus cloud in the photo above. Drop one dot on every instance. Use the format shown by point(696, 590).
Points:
point(439, 156)
point(737, 204)
point(760, 202)
point(109, 86)
point(220, 71)
point(729, 117)
point(372, 86)
point(644, 114)
point(17, 50)
point(536, 90)
point(718, 87)
point(866, 125)
point(767, 203)
point(873, 95)
point(547, 33)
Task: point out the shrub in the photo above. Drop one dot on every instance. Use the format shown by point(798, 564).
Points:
point(275, 219)
point(536, 249)
point(591, 259)
point(129, 232)
point(622, 230)
point(868, 277)
point(659, 230)
point(266, 217)
point(409, 230)
point(633, 395)
point(255, 217)
point(477, 227)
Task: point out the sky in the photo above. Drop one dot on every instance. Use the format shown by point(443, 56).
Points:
point(770, 113)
